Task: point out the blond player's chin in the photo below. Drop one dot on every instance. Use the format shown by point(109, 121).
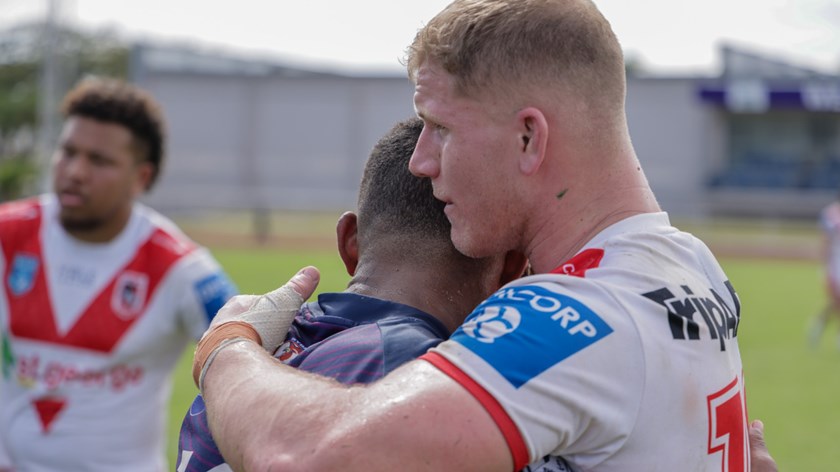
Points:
point(470, 246)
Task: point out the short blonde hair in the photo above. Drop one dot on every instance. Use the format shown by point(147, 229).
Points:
point(508, 46)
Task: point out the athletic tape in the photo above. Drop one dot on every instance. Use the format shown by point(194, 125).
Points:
point(216, 339)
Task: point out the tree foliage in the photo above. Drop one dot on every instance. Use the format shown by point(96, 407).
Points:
point(23, 50)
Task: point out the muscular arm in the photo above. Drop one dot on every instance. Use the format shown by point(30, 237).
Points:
point(266, 416)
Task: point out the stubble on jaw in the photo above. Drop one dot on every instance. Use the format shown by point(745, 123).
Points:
point(86, 225)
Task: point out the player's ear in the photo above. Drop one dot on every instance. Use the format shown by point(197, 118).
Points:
point(514, 267)
point(533, 139)
point(346, 232)
point(142, 177)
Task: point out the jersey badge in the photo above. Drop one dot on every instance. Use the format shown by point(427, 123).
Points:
point(21, 278)
point(523, 331)
point(129, 296)
point(289, 350)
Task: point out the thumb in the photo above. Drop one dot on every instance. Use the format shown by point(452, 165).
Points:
point(306, 281)
point(757, 434)
point(303, 283)
point(760, 458)
point(290, 295)
point(272, 314)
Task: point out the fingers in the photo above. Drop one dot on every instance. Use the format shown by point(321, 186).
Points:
point(262, 319)
point(272, 314)
point(760, 457)
point(303, 285)
point(757, 433)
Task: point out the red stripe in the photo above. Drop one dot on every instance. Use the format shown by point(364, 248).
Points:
point(580, 263)
point(514, 440)
point(99, 328)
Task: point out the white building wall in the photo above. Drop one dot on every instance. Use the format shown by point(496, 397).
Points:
point(674, 140)
point(270, 142)
point(298, 141)
point(301, 143)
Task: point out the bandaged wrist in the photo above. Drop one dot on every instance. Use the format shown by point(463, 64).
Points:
point(215, 340)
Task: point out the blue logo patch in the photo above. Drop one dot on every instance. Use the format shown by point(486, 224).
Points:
point(22, 276)
point(214, 291)
point(522, 331)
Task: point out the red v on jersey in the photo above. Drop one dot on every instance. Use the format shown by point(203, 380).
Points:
point(111, 313)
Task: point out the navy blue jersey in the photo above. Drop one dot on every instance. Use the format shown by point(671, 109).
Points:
point(349, 337)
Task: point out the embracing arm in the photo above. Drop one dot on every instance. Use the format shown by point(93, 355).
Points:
point(267, 416)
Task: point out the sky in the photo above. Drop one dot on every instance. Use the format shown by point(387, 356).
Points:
point(665, 36)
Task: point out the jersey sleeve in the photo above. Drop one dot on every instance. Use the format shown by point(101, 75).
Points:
point(206, 288)
point(197, 452)
point(543, 360)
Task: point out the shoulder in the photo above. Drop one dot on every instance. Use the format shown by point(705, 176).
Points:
point(352, 355)
point(408, 337)
point(369, 351)
point(577, 311)
point(20, 219)
point(21, 211)
point(190, 263)
point(830, 216)
point(164, 232)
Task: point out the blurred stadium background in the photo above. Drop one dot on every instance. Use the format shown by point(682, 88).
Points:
point(263, 156)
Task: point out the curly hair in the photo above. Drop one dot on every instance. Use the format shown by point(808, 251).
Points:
point(118, 102)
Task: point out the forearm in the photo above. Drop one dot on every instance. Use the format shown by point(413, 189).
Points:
point(266, 416)
point(246, 394)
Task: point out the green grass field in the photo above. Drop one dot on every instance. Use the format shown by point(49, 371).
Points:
point(792, 387)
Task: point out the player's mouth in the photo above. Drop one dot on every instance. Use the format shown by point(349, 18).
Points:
point(447, 203)
point(71, 198)
point(448, 209)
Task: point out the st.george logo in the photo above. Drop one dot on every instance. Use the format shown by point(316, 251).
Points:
point(129, 296)
point(495, 322)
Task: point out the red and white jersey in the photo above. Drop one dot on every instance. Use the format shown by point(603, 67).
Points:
point(91, 334)
point(625, 358)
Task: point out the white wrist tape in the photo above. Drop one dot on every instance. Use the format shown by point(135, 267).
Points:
point(272, 314)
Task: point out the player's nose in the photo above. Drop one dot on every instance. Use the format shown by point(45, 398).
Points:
point(424, 160)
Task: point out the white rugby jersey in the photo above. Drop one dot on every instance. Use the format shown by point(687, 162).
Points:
point(624, 359)
point(830, 223)
point(91, 334)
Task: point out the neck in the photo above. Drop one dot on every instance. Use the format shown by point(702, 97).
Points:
point(96, 231)
point(596, 202)
point(416, 285)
